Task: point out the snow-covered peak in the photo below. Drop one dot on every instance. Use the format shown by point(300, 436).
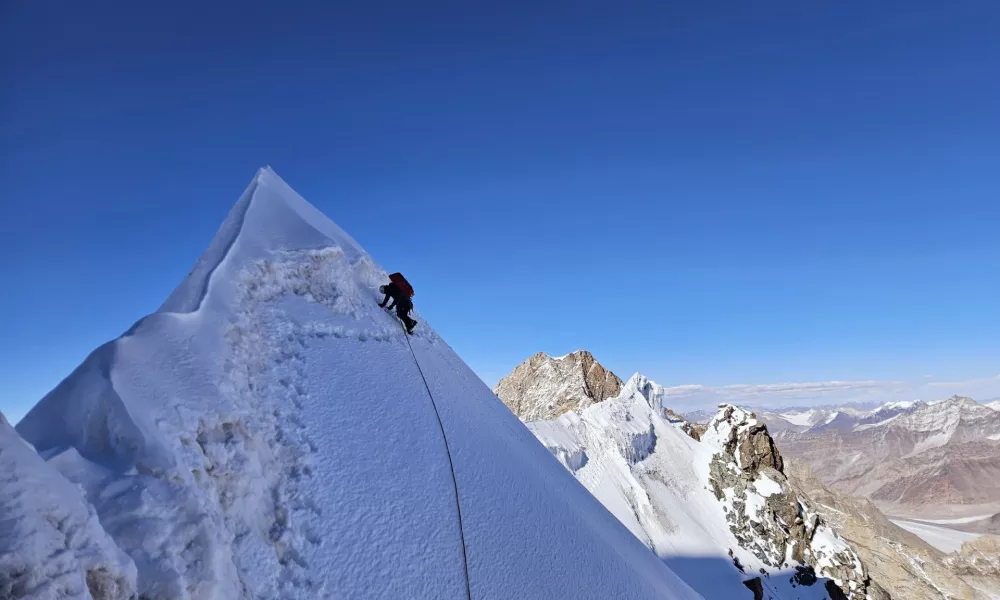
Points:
point(271, 432)
point(889, 411)
point(640, 386)
point(954, 409)
point(544, 387)
point(269, 217)
point(995, 405)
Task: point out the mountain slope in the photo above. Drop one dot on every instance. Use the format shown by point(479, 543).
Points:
point(544, 387)
point(269, 432)
point(902, 563)
point(718, 511)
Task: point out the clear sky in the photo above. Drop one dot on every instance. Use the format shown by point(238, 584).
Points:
point(710, 193)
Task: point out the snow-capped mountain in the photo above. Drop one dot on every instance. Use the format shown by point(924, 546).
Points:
point(269, 432)
point(718, 510)
point(819, 419)
point(915, 454)
point(701, 416)
point(544, 387)
point(995, 405)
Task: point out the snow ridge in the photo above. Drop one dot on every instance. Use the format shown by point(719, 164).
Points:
point(188, 298)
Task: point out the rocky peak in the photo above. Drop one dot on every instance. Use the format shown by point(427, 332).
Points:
point(765, 513)
point(744, 438)
point(544, 387)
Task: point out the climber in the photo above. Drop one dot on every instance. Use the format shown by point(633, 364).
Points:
point(399, 291)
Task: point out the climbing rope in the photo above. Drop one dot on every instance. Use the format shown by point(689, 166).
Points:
point(451, 465)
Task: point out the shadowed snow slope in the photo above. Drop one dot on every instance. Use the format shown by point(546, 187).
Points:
point(267, 433)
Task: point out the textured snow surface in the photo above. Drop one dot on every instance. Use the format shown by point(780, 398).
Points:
point(654, 478)
point(51, 544)
point(766, 486)
point(267, 434)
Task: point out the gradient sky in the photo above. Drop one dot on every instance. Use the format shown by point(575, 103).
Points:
point(709, 193)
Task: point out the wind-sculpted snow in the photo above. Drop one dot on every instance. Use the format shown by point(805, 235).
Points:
point(723, 499)
point(51, 544)
point(268, 434)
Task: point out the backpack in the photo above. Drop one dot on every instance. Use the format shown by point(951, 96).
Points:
point(402, 283)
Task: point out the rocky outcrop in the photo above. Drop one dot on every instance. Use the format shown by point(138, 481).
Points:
point(979, 558)
point(544, 387)
point(755, 586)
point(692, 429)
point(757, 450)
point(767, 515)
point(978, 562)
point(746, 439)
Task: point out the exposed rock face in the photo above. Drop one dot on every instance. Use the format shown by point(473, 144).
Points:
point(543, 387)
point(757, 450)
point(756, 587)
point(692, 429)
point(980, 557)
point(899, 561)
point(978, 562)
point(746, 439)
point(767, 515)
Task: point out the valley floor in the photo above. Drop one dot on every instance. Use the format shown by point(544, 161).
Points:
point(941, 537)
point(939, 513)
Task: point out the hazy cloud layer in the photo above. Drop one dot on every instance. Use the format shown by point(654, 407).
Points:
point(686, 397)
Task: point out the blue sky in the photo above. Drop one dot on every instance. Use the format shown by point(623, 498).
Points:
point(710, 194)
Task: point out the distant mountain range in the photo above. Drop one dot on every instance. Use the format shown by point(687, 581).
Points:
point(907, 456)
